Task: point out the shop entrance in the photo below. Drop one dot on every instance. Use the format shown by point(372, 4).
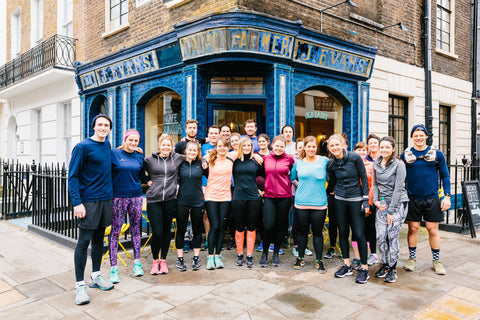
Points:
point(235, 114)
point(318, 114)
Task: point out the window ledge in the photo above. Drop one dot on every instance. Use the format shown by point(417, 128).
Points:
point(116, 30)
point(175, 3)
point(447, 54)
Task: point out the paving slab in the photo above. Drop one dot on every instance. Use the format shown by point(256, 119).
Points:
point(10, 297)
point(209, 306)
point(34, 310)
point(368, 313)
point(26, 274)
point(66, 280)
point(130, 285)
point(263, 312)
point(178, 295)
point(249, 291)
point(139, 305)
point(310, 302)
point(347, 287)
point(469, 268)
point(39, 289)
point(4, 286)
point(450, 307)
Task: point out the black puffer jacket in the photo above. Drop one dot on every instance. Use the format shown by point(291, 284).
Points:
point(345, 176)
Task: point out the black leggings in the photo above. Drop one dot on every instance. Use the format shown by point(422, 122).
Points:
point(245, 213)
point(160, 215)
point(216, 212)
point(370, 232)
point(196, 217)
point(80, 255)
point(332, 222)
point(275, 222)
point(349, 213)
point(305, 218)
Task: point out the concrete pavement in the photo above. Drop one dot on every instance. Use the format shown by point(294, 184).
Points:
point(37, 282)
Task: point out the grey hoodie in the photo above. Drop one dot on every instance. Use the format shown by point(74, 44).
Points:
point(389, 182)
point(163, 173)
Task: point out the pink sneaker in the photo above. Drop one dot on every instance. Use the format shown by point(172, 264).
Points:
point(163, 267)
point(154, 269)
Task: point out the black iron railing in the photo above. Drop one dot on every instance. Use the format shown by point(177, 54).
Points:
point(16, 190)
point(57, 51)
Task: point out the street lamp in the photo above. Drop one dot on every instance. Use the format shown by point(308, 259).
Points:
point(349, 2)
point(399, 24)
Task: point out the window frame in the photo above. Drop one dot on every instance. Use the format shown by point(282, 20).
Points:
point(16, 33)
point(392, 117)
point(450, 52)
point(36, 22)
point(109, 29)
point(447, 134)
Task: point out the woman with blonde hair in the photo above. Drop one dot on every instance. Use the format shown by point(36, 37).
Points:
point(345, 170)
point(161, 199)
point(246, 203)
point(127, 166)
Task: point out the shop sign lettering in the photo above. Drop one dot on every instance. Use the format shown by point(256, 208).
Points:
point(316, 115)
point(326, 57)
point(143, 63)
point(222, 40)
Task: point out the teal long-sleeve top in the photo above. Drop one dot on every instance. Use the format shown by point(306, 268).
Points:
point(311, 182)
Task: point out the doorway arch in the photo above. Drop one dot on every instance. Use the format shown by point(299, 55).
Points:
point(98, 106)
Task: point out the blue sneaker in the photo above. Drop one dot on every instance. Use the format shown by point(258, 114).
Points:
point(114, 275)
point(186, 246)
point(260, 247)
point(101, 283)
point(205, 246)
point(137, 269)
point(271, 247)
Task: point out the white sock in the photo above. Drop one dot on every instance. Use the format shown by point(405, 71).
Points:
point(79, 284)
point(95, 275)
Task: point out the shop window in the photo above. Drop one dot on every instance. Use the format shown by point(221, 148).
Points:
point(398, 121)
point(445, 26)
point(162, 116)
point(444, 131)
point(237, 86)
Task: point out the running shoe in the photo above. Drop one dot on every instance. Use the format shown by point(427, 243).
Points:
point(239, 261)
point(276, 260)
point(163, 267)
point(362, 276)
point(439, 268)
point(249, 261)
point(372, 259)
point(330, 253)
point(382, 272)
point(320, 267)
point(155, 267)
point(210, 263)
point(260, 247)
point(411, 264)
point(114, 275)
point(271, 248)
point(218, 262)
point(391, 276)
point(285, 242)
point(356, 264)
point(299, 263)
point(295, 251)
point(196, 263)
point(81, 296)
point(137, 268)
point(343, 271)
point(181, 264)
point(308, 252)
point(100, 283)
point(205, 246)
point(263, 261)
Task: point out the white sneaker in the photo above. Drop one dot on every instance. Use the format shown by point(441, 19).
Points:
point(308, 252)
point(295, 251)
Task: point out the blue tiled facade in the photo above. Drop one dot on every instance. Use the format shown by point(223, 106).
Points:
point(286, 72)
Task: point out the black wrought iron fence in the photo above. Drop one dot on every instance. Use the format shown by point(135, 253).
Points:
point(57, 51)
point(16, 190)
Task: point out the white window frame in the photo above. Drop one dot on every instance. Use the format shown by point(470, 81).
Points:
point(16, 33)
point(170, 4)
point(451, 51)
point(36, 22)
point(109, 29)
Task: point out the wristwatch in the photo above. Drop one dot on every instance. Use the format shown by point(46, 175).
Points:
point(447, 194)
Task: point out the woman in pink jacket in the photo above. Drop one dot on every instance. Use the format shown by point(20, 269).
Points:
point(277, 198)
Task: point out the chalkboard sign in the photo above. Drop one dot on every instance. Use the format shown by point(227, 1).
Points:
point(471, 195)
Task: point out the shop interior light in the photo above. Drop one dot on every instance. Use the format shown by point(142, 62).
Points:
point(399, 24)
point(348, 2)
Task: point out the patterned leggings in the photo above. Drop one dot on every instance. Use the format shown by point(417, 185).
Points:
point(122, 206)
point(387, 235)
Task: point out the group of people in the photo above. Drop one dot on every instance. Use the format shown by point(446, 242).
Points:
point(256, 186)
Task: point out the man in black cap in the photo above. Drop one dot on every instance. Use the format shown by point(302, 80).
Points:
point(424, 166)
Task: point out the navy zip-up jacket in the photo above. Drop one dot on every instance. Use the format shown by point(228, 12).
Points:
point(190, 193)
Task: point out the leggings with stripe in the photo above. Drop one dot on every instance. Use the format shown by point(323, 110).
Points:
point(122, 207)
point(387, 235)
